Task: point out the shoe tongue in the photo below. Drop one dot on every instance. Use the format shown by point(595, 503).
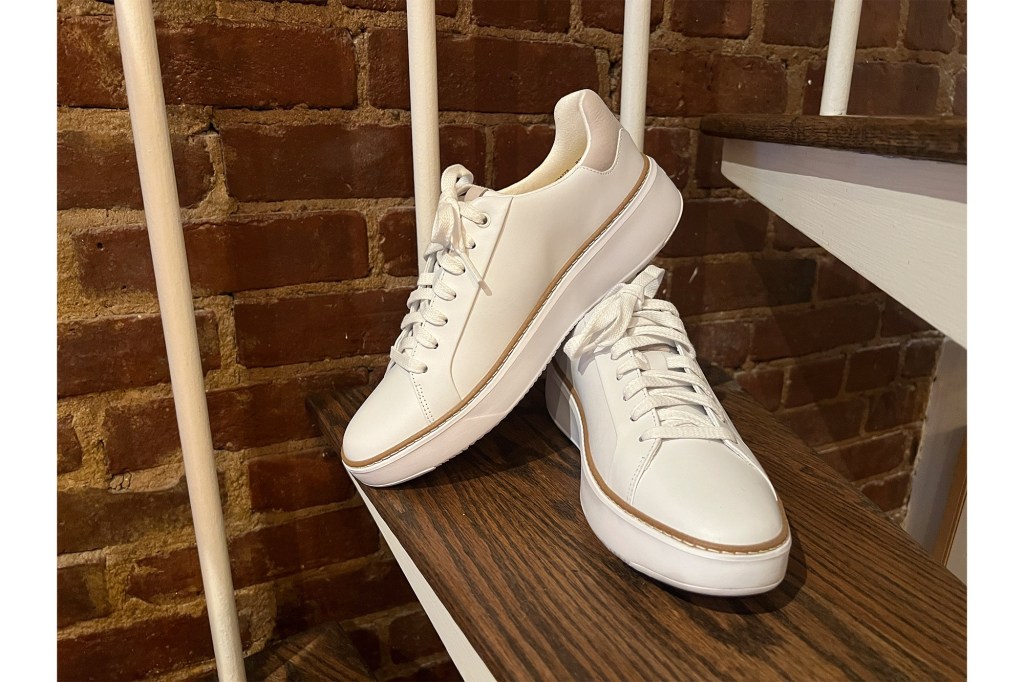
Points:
point(474, 192)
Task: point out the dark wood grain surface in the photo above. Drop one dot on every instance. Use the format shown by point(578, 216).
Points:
point(499, 534)
point(323, 653)
point(937, 138)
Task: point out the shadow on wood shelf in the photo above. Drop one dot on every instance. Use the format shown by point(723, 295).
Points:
point(499, 535)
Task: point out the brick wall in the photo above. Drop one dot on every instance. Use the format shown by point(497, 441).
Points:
point(291, 139)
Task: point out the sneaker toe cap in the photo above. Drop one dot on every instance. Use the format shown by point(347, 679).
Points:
point(707, 492)
point(390, 415)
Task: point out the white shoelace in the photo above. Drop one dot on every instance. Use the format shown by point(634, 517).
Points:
point(447, 252)
point(631, 320)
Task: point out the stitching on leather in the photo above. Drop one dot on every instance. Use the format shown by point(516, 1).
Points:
point(424, 407)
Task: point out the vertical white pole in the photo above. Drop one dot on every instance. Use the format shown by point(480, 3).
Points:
point(842, 48)
point(137, 37)
point(426, 154)
point(636, 37)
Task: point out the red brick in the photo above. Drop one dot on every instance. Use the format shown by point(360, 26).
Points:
point(262, 555)
point(929, 26)
point(814, 380)
point(313, 598)
point(714, 287)
point(709, 163)
point(93, 518)
point(539, 15)
point(367, 643)
point(398, 242)
point(692, 84)
point(118, 352)
point(518, 150)
point(879, 23)
point(901, 404)
point(888, 494)
point(726, 344)
point(764, 385)
point(248, 252)
point(882, 89)
point(145, 434)
point(788, 238)
point(872, 368)
point(306, 329)
point(797, 22)
point(791, 333)
point(276, 162)
point(898, 320)
point(920, 358)
point(960, 94)
point(670, 147)
point(413, 637)
point(445, 671)
point(218, 63)
point(447, 8)
point(477, 73)
point(97, 169)
point(298, 480)
point(838, 280)
point(826, 422)
point(868, 457)
point(712, 18)
point(611, 15)
point(141, 650)
point(718, 226)
point(82, 593)
point(69, 448)
point(809, 22)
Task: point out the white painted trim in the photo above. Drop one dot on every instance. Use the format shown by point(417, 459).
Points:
point(636, 35)
point(463, 655)
point(945, 427)
point(901, 223)
point(426, 148)
point(137, 37)
point(842, 48)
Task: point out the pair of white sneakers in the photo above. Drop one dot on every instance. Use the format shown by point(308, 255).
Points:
point(667, 484)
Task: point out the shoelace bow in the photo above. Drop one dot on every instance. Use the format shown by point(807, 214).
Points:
point(446, 252)
point(630, 320)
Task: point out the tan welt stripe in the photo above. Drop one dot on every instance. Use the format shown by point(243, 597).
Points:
point(518, 335)
point(774, 543)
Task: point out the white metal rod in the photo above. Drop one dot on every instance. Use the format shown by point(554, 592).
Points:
point(137, 37)
point(636, 37)
point(426, 154)
point(842, 48)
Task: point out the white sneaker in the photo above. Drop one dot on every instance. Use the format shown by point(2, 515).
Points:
point(666, 482)
point(507, 273)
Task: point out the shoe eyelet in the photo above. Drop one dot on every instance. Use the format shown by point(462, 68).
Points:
point(486, 221)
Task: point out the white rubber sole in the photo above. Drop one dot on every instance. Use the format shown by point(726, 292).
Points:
point(650, 550)
point(629, 243)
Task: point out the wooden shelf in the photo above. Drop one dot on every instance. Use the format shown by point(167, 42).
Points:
point(938, 138)
point(499, 535)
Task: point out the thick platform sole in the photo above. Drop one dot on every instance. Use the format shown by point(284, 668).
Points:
point(624, 248)
point(649, 550)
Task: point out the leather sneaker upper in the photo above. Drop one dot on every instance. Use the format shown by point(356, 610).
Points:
point(491, 258)
point(660, 443)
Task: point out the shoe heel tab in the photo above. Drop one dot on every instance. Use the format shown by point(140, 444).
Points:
point(605, 135)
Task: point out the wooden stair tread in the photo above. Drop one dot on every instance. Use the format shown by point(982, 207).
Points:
point(322, 653)
point(499, 535)
point(935, 138)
